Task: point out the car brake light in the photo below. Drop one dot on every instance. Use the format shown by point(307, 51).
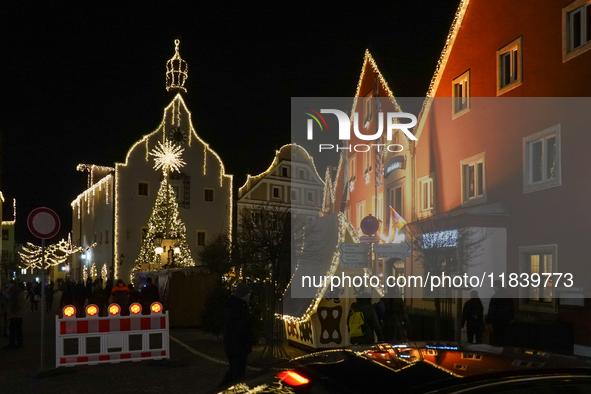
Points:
point(292, 378)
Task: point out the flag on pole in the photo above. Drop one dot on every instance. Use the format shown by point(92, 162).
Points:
point(396, 224)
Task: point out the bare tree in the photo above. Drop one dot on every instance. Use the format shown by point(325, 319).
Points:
point(263, 251)
point(444, 244)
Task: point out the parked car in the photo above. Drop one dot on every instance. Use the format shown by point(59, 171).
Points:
point(424, 367)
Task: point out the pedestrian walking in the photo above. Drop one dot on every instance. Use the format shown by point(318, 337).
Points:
point(15, 312)
point(395, 323)
point(363, 322)
point(148, 295)
point(500, 314)
point(472, 318)
point(238, 338)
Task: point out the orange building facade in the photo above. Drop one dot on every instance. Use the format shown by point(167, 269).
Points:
point(503, 143)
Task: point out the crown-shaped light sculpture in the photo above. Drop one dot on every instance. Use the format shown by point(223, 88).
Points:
point(176, 70)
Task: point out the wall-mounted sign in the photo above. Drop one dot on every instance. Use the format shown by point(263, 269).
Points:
point(397, 163)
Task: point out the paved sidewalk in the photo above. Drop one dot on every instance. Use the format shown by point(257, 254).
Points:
point(197, 365)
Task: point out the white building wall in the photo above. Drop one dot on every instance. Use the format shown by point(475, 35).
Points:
point(205, 171)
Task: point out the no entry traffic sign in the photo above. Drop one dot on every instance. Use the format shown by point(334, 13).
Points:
point(43, 223)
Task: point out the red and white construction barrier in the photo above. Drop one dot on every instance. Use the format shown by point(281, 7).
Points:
point(111, 339)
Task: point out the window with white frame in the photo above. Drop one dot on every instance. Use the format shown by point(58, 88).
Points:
point(396, 199)
point(367, 162)
point(509, 66)
point(380, 207)
point(426, 193)
point(368, 111)
point(352, 168)
point(285, 172)
point(539, 262)
point(541, 160)
point(461, 94)
point(276, 192)
point(576, 22)
point(302, 173)
point(360, 212)
point(473, 179)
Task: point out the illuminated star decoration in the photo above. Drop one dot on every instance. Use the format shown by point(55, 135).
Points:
point(168, 157)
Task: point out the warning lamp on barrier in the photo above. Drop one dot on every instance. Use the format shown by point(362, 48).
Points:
point(292, 378)
point(91, 310)
point(135, 308)
point(114, 309)
point(69, 311)
point(156, 307)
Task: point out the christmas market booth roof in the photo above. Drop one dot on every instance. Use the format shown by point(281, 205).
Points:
point(319, 257)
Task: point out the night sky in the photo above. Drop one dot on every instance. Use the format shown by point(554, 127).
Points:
point(81, 84)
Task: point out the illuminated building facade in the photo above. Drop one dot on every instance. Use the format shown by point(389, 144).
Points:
point(114, 210)
point(504, 145)
point(290, 181)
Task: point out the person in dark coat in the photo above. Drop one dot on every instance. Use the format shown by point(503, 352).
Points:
point(238, 338)
point(67, 294)
point(49, 297)
point(79, 298)
point(134, 295)
point(35, 296)
point(395, 323)
point(107, 291)
point(15, 312)
point(98, 297)
point(148, 295)
point(89, 288)
point(370, 318)
point(500, 314)
point(472, 317)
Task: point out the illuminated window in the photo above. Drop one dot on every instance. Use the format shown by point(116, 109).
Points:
point(209, 195)
point(201, 238)
point(142, 188)
point(539, 262)
point(509, 67)
point(473, 179)
point(576, 22)
point(461, 94)
point(541, 152)
point(380, 208)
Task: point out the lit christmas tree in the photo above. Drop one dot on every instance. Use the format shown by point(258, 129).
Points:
point(165, 223)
